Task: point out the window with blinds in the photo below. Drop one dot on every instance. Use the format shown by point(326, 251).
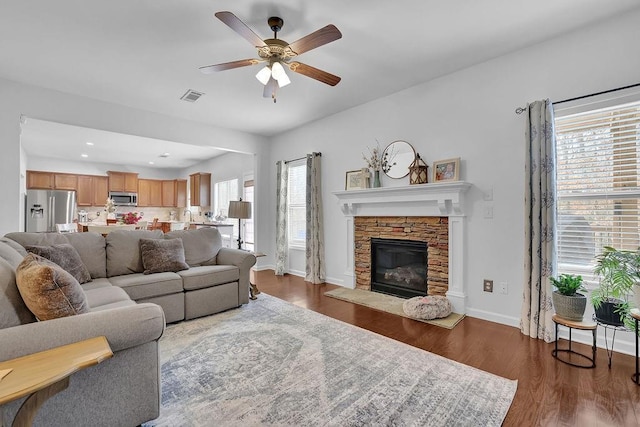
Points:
point(297, 220)
point(598, 188)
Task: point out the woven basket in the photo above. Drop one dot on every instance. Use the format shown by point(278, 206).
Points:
point(569, 307)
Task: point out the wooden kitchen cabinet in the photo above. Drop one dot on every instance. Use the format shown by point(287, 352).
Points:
point(149, 193)
point(65, 181)
point(51, 180)
point(92, 190)
point(100, 190)
point(174, 193)
point(123, 181)
point(169, 193)
point(156, 192)
point(181, 193)
point(84, 195)
point(40, 180)
point(200, 189)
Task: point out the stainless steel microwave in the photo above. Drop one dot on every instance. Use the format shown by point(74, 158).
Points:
point(124, 199)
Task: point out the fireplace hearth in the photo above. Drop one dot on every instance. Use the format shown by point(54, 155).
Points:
point(399, 267)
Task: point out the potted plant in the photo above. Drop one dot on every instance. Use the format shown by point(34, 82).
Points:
point(619, 272)
point(568, 303)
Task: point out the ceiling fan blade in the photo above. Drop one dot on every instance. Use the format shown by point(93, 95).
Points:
point(240, 27)
point(209, 69)
point(316, 39)
point(314, 73)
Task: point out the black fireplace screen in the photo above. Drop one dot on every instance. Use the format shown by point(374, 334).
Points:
point(399, 267)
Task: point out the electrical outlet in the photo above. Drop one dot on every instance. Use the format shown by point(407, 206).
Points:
point(488, 285)
point(504, 288)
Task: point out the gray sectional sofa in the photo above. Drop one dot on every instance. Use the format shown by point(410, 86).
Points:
point(128, 307)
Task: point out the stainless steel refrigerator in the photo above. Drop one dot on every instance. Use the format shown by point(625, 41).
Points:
point(46, 208)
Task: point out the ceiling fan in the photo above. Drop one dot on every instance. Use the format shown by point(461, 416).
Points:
point(277, 54)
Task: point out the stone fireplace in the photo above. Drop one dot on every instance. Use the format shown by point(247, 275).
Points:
point(431, 232)
point(428, 213)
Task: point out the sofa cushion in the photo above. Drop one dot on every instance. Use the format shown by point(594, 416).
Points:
point(106, 295)
point(208, 275)
point(92, 248)
point(201, 245)
point(13, 311)
point(48, 290)
point(39, 239)
point(138, 285)
point(10, 254)
point(123, 250)
point(66, 256)
point(101, 282)
point(162, 255)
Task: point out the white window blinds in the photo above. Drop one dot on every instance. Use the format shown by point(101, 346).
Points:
point(598, 190)
point(297, 203)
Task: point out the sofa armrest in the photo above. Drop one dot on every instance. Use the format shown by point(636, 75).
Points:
point(124, 327)
point(244, 261)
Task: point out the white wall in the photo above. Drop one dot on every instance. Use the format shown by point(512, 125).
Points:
point(19, 99)
point(469, 114)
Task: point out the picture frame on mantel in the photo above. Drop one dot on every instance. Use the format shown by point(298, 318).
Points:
point(355, 180)
point(446, 170)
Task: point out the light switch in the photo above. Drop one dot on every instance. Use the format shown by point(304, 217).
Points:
point(488, 195)
point(488, 211)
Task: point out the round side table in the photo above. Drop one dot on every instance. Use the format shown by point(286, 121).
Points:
point(583, 326)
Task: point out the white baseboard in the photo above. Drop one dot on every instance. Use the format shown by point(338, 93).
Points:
point(624, 340)
point(494, 317)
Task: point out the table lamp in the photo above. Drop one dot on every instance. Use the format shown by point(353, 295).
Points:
point(241, 210)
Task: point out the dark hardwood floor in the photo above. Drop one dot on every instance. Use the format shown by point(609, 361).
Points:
point(550, 393)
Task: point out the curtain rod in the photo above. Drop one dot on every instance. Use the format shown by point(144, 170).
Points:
point(521, 110)
point(302, 158)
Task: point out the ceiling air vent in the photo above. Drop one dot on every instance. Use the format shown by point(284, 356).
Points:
point(191, 95)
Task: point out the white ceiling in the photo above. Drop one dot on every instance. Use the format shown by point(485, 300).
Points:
point(41, 138)
point(145, 54)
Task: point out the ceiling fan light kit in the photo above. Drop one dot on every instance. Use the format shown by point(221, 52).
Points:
point(278, 53)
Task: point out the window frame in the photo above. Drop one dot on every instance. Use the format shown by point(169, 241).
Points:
point(608, 145)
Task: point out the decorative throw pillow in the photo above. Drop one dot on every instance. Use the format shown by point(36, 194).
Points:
point(48, 290)
point(161, 255)
point(66, 256)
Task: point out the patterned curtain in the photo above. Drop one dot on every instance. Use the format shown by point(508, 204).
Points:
point(315, 232)
point(540, 222)
point(282, 245)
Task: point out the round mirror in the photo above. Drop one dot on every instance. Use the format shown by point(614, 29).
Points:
point(397, 158)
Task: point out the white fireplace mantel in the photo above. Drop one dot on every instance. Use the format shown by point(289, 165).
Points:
point(442, 198)
point(438, 199)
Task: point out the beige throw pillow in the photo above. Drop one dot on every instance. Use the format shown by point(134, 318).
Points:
point(160, 255)
point(48, 290)
point(66, 256)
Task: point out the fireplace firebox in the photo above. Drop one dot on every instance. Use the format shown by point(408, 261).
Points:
point(399, 267)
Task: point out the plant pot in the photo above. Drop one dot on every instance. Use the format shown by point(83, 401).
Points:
point(607, 314)
point(569, 307)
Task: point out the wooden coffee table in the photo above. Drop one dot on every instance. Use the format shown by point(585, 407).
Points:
point(41, 375)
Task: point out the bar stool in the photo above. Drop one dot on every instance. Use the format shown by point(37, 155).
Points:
point(635, 313)
point(583, 326)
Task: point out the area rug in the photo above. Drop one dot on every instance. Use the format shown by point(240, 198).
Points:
point(273, 363)
point(388, 303)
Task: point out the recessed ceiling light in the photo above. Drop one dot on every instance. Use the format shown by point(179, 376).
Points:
point(150, 163)
point(164, 155)
point(84, 155)
point(89, 143)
